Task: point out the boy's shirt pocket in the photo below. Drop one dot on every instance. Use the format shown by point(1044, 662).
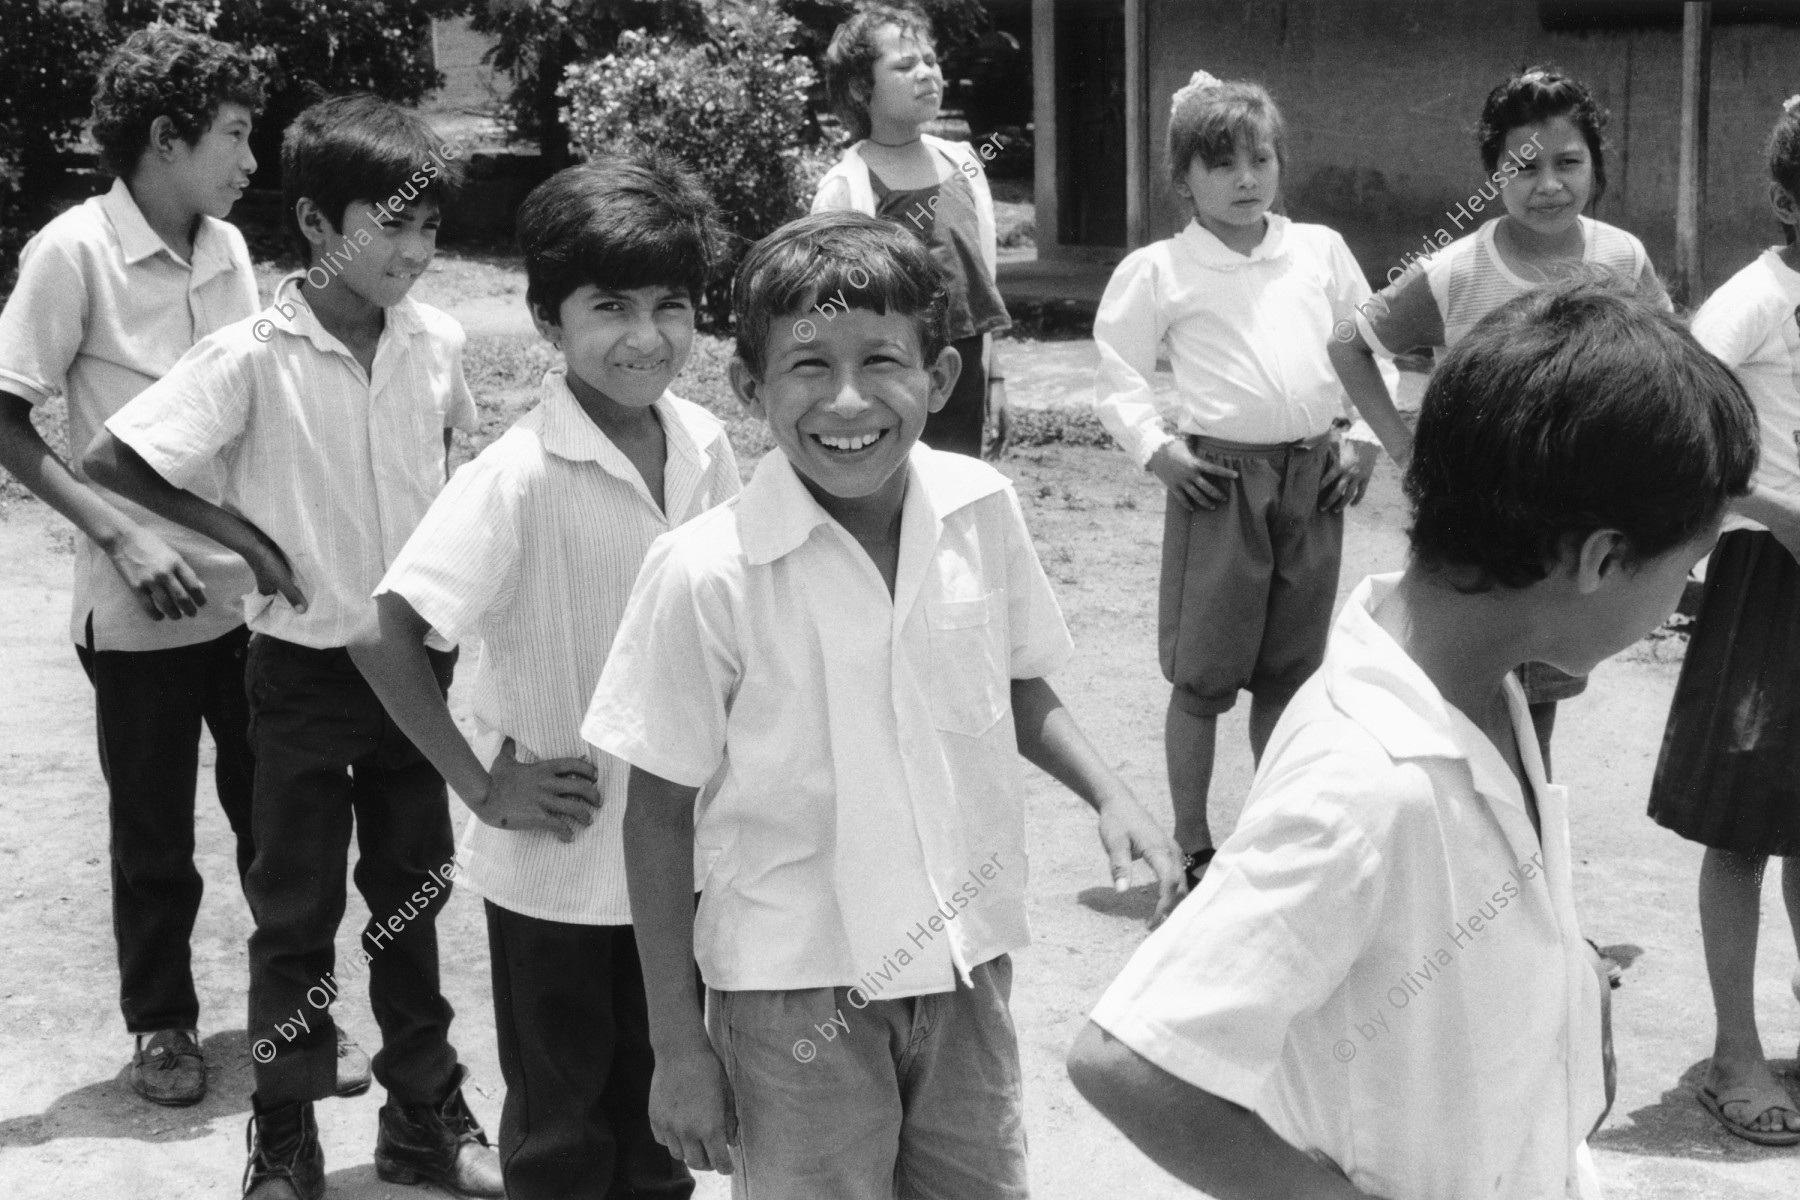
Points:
point(969, 679)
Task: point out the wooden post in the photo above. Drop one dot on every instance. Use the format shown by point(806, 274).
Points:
point(1137, 125)
point(1046, 139)
point(1690, 178)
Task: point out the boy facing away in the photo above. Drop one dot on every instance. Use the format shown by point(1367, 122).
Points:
point(533, 548)
point(110, 295)
point(329, 416)
point(859, 640)
point(1381, 989)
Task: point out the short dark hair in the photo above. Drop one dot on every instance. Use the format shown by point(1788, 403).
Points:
point(1533, 96)
point(1783, 155)
point(793, 269)
point(619, 222)
point(1572, 408)
point(361, 147)
point(850, 59)
point(1211, 122)
point(163, 71)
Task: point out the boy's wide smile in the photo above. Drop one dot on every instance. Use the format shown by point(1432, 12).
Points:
point(849, 443)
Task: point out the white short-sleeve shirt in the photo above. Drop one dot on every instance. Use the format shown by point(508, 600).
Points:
point(1752, 323)
point(335, 464)
point(1246, 335)
point(532, 550)
point(1383, 961)
point(868, 827)
point(102, 309)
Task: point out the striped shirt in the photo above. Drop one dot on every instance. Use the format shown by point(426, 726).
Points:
point(335, 464)
point(102, 309)
point(532, 549)
point(1442, 297)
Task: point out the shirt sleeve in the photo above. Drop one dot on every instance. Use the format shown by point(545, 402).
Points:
point(1650, 287)
point(1731, 330)
point(1276, 927)
point(665, 693)
point(1128, 329)
point(727, 480)
point(833, 193)
point(462, 562)
point(1403, 316)
point(1040, 638)
point(44, 322)
point(184, 421)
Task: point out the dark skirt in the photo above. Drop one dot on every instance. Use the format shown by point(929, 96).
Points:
point(1729, 773)
point(959, 425)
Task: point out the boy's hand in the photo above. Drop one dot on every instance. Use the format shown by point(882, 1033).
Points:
point(270, 566)
point(1002, 418)
point(554, 795)
point(163, 582)
point(1347, 477)
point(1186, 475)
point(692, 1111)
point(1128, 833)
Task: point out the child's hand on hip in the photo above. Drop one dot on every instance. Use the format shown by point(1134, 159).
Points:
point(1347, 476)
point(692, 1111)
point(274, 574)
point(1191, 479)
point(555, 795)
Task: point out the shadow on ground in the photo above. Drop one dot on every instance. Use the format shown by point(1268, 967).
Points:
point(1677, 1127)
point(110, 1109)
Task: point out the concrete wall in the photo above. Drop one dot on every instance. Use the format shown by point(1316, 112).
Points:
point(1381, 99)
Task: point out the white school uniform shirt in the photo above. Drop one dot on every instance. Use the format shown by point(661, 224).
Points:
point(335, 464)
point(1438, 300)
point(1752, 323)
point(532, 550)
point(848, 186)
point(102, 309)
point(868, 828)
point(1383, 962)
point(1246, 336)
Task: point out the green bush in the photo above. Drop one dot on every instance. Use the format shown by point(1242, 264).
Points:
point(731, 105)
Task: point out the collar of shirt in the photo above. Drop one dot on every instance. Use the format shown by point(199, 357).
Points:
point(776, 514)
point(566, 431)
point(1209, 251)
point(290, 312)
point(137, 241)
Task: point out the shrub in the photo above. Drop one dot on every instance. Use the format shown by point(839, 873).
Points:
point(732, 105)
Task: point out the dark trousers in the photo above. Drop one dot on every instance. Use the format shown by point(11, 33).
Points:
point(148, 709)
point(574, 1034)
point(327, 754)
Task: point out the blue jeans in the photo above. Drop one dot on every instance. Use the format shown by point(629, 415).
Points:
point(840, 1097)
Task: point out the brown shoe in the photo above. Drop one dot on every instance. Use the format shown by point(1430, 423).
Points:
point(286, 1161)
point(352, 1066)
point(168, 1067)
point(441, 1144)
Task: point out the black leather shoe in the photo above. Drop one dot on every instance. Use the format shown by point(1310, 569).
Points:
point(168, 1067)
point(441, 1144)
point(352, 1066)
point(286, 1161)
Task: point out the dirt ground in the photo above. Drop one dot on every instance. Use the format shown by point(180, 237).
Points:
point(70, 1127)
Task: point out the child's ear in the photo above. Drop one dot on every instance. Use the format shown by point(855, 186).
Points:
point(747, 386)
point(1599, 556)
point(312, 222)
point(549, 325)
point(1787, 210)
point(944, 373)
point(163, 138)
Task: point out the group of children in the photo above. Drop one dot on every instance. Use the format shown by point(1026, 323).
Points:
point(771, 729)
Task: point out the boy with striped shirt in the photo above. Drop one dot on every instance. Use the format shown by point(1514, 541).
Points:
point(533, 549)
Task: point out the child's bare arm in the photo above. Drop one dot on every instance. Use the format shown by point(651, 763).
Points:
point(691, 1108)
point(1203, 1140)
point(556, 795)
point(1361, 377)
point(113, 464)
point(164, 583)
point(1777, 510)
point(1049, 738)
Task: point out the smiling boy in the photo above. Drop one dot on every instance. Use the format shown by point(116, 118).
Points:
point(533, 549)
point(109, 296)
point(856, 647)
point(329, 416)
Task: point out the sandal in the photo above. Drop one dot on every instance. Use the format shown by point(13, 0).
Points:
point(1193, 866)
point(1715, 1101)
